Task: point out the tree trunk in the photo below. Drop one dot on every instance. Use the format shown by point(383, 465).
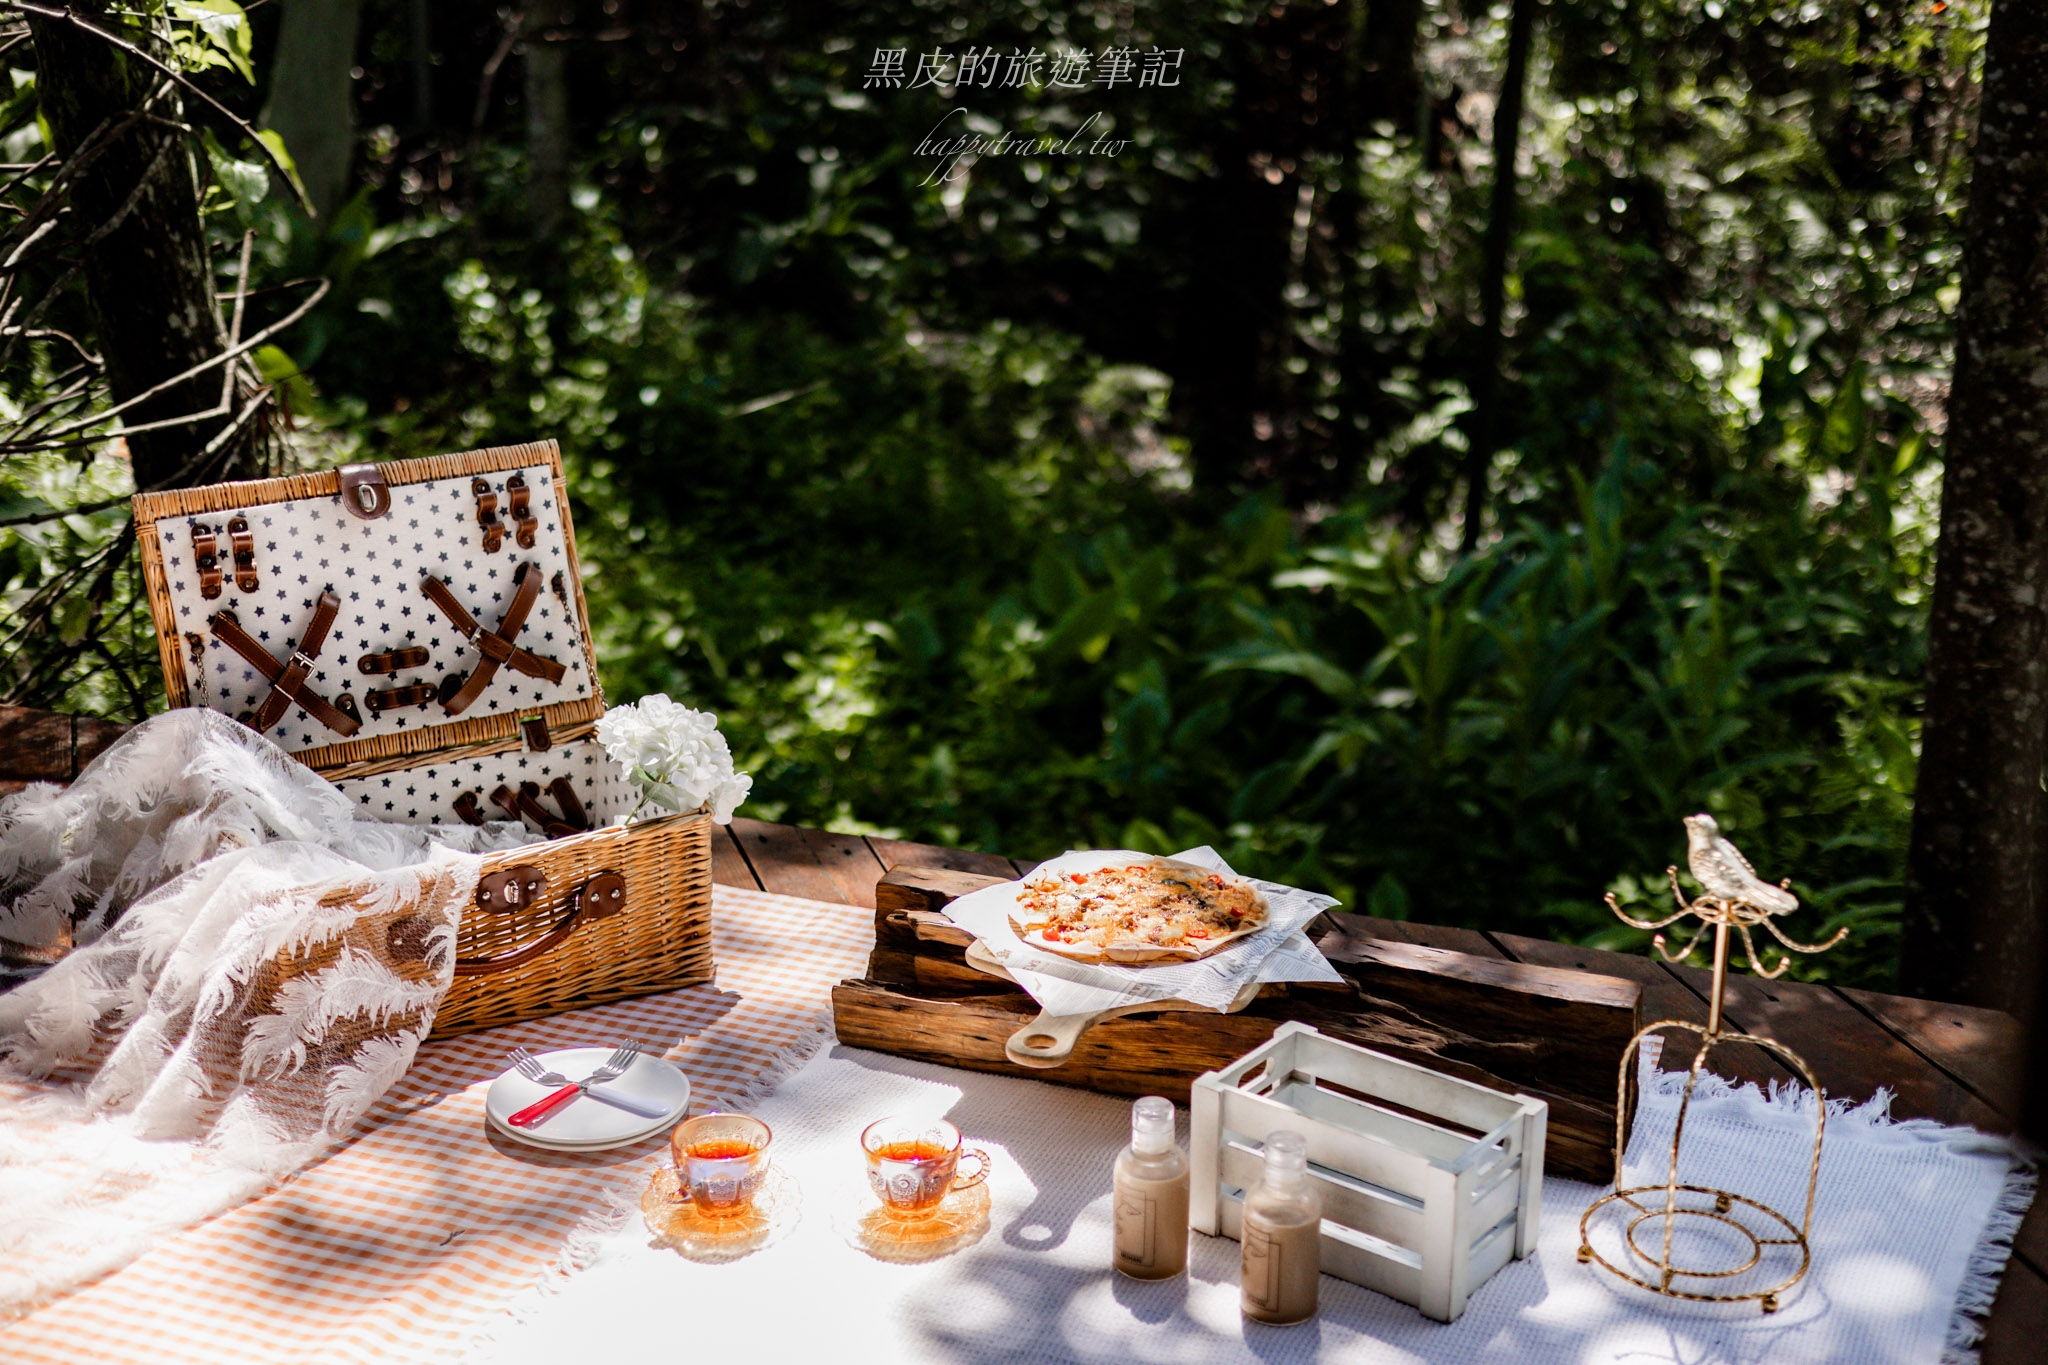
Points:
point(1493, 268)
point(149, 279)
point(311, 105)
point(1977, 873)
point(547, 134)
point(422, 67)
point(1391, 90)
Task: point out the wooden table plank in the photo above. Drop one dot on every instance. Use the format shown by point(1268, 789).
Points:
point(1980, 1049)
point(1023, 866)
point(792, 861)
point(1469, 941)
point(2019, 1317)
point(903, 853)
point(90, 738)
point(2031, 1244)
point(35, 746)
point(1850, 1054)
point(1663, 998)
point(729, 865)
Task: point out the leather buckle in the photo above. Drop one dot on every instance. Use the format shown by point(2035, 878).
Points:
point(522, 517)
point(512, 887)
point(384, 699)
point(364, 494)
point(603, 895)
point(206, 559)
point(487, 515)
point(300, 662)
point(245, 554)
point(389, 662)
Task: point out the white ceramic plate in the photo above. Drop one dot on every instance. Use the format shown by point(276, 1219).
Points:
point(585, 1124)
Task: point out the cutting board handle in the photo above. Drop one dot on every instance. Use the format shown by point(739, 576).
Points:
point(1049, 1039)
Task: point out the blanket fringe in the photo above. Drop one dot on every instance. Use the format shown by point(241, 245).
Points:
point(621, 1202)
point(1988, 1261)
point(1871, 1119)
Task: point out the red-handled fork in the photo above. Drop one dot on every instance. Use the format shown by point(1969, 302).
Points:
point(529, 1066)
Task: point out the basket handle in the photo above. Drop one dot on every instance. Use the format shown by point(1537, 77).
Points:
point(603, 895)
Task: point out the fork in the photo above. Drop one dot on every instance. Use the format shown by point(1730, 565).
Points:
point(529, 1066)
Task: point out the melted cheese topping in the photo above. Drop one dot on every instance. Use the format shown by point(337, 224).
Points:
point(1139, 905)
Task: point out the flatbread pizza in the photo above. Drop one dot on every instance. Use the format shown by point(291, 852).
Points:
point(1147, 910)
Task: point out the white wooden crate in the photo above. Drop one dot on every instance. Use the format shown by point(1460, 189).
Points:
point(1429, 1183)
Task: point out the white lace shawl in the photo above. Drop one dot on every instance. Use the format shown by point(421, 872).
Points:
point(256, 966)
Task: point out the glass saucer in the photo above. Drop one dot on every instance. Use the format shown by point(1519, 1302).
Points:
point(958, 1223)
point(678, 1225)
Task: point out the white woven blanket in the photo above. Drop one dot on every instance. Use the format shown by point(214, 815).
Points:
point(1911, 1231)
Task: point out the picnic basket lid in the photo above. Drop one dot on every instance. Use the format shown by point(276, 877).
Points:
point(433, 556)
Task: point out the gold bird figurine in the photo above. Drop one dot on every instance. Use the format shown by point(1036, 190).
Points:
point(1726, 874)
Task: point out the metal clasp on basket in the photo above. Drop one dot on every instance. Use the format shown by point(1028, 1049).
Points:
point(511, 887)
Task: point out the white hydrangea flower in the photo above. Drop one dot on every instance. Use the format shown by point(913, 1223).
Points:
point(675, 755)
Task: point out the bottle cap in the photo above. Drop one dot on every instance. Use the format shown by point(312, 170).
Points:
point(1152, 1126)
point(1286, 1157)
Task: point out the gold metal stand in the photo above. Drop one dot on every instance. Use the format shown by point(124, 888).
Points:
point(1663, 1205)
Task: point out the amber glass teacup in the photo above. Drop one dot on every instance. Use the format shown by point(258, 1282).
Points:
point(914, 1163)
point(721, 1160)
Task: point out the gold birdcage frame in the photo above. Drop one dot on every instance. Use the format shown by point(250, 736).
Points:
point(1673, 1200)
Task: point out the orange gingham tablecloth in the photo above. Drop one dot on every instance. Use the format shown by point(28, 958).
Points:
point(415, 1236)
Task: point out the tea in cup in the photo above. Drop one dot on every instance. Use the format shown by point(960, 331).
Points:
point(721, 1160)
point(914, 1163)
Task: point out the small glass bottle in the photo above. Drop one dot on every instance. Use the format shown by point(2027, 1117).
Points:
point(1283, 1237)
point(1151, 1196)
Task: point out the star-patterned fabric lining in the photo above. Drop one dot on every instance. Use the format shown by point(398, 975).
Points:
point(426, 795)
point(312, 545)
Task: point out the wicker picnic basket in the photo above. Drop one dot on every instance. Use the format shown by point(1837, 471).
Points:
point(274, 598)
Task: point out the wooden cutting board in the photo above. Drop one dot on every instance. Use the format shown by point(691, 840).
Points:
point(1556, 1035)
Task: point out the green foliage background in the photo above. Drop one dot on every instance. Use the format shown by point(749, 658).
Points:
point(1112, 502)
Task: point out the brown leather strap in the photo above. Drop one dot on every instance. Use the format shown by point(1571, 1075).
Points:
point(413, 656)
point(363, 491)
point(564, 792)
point(245, 554)
point(522, 515)
point(506, 800)
point(469, 809)
point(602, 895)
point(286, 688)
point(287, 680)
point(538, 738)
point(206, 558)
point(524, 804)
point(505, 962)
point(487, 515)
point(385, 699)
point(494, 647)
point(551, 825)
